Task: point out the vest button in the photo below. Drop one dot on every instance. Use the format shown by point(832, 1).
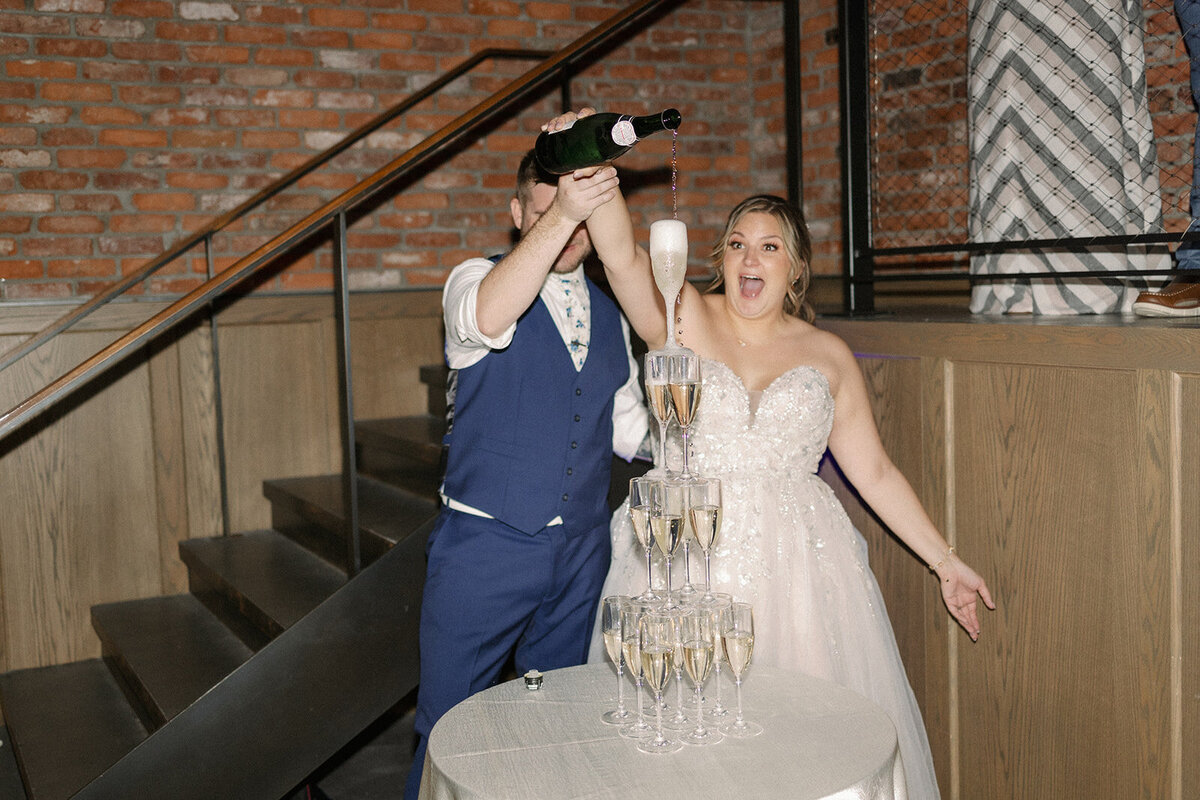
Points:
point(577, 418)
point(578, 392)
point(574, 445)
point(570, 470)
point(565, 496)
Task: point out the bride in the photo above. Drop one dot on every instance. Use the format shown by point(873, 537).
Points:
point(776, 393)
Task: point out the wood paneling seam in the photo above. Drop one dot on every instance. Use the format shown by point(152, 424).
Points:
point(952, 537)
point(1175, 470)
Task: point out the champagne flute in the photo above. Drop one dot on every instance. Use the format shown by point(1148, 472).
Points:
point(683, 381)
point(720, 601)
point(704, 514)
point(639, 514)
point(666, 522)
point(737, 635)
point(657, 633)
point(610, 626)
point(696, 634)
point(659, 397)
point(679, 720)
point(631, 649)
point(668, 262)
point(687, 593)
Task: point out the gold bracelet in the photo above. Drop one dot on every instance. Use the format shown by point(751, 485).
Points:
point(937, 566)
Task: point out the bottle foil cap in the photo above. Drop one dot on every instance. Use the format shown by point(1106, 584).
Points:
point(623, 132)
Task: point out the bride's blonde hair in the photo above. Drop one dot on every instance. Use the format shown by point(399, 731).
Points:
point(796, 243)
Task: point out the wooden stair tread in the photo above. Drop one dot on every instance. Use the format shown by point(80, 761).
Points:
point(276, 580)
point(170, 650)
point(69, 723)
point(418, 437)
point(385, 511)
point(435, 376)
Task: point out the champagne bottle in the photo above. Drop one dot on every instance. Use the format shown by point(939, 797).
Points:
point(597, 138)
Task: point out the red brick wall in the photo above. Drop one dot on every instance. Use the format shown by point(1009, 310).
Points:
point(127, 124)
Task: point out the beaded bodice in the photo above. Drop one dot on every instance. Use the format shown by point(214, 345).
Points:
point(787, 432)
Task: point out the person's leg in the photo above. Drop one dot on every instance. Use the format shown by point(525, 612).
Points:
point(483, 581)
point(559, 632)
point(1188, 14)
point(1181, 296)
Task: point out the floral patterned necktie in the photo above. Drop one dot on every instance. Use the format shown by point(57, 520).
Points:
point(577, 319)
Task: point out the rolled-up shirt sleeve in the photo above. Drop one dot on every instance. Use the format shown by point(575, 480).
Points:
point(631, 419)
point(465, 344)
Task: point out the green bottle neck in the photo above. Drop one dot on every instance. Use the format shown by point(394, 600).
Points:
point(653, 123)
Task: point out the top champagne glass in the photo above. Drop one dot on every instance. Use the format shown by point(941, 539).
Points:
point(668, 262)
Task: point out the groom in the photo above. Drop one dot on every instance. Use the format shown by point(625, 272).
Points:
point(547, 391)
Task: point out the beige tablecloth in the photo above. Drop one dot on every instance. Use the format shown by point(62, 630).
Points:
point(819, 741)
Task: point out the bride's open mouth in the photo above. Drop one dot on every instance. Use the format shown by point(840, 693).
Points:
point(750, 286)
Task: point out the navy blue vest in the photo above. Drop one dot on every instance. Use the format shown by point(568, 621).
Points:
point(532, 438)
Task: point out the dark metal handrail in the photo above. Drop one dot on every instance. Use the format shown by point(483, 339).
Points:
point(490, 110)
point(115, 290)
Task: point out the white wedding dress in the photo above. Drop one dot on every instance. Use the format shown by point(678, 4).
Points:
point(787, 546)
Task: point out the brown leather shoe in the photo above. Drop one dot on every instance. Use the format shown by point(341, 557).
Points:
point(1179, 298)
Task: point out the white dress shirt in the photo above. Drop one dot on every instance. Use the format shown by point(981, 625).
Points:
point(466, 345)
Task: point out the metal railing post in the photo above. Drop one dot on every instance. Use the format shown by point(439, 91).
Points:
point(854, 80)
point(346, 396)
point(793, 107)
point(218, 405)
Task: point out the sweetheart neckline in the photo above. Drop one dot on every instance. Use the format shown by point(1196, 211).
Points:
point(775, 380)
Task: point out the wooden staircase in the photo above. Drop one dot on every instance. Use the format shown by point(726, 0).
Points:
point(170, 658)
point(263, 609)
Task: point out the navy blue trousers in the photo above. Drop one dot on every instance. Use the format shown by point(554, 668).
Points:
point(492, 591)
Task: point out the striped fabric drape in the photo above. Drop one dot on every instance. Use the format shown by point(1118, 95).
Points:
point(1061, 146)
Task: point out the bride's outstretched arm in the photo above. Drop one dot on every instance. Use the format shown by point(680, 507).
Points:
point(626, 263)
point(855, 443)
point(961, 587)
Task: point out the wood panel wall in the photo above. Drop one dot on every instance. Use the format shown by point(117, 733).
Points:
point(1060, 458)
point(95, 499)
